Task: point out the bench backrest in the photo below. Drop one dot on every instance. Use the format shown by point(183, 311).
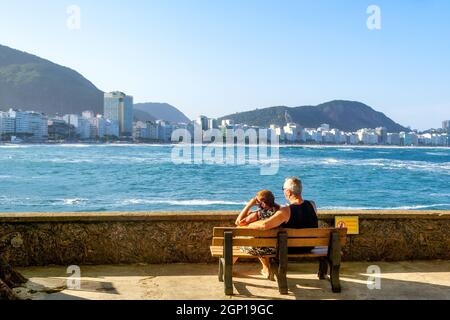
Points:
point(295, 237)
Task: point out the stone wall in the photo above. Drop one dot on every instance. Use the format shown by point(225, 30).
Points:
point(37, 239)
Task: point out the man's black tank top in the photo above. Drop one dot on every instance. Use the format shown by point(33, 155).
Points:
point(303, 216)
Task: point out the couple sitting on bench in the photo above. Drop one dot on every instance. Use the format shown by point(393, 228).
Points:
point(273, 234)
point(300, 214)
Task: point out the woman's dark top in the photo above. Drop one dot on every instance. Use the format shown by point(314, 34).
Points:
point(303, 216)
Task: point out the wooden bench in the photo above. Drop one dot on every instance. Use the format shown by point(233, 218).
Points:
point(327, 244)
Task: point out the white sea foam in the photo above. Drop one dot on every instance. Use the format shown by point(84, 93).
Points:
point(331, 161)
point(68, 160)
point(438, 154)
point(194, 202)
point(76, 145)
point(73, 202)
point(440, 195)
point(12, 146)
point(415, 207)
point(387, 164)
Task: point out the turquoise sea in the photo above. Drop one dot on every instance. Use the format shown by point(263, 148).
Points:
point(75, 178)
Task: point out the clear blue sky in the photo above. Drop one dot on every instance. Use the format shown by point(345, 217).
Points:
point(216, 57)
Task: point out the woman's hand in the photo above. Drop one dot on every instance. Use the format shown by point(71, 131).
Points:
point(245, 212)
point(252, 202)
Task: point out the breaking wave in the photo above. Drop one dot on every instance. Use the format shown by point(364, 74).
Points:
point(195, 202)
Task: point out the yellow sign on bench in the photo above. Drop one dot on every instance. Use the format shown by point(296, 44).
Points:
point(351, 223)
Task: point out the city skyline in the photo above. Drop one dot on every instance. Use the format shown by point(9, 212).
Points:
point(237, 57)
point(17, 126)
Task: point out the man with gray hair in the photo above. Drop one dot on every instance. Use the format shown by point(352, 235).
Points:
point(300, 214)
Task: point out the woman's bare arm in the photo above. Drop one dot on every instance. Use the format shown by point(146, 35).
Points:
point(252, 217)
point(245, 212)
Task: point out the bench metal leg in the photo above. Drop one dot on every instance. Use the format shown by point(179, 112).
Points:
point(283, 262)
point(334, 257)
point(221, 264)
point(323, 268)
point(228, 262)
point(335, 282)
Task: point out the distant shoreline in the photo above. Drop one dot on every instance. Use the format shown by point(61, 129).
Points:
point(156, 144)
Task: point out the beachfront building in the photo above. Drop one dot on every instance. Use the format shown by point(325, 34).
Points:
point(278, 131)
point(293, 133)
point(367, 136)
point(409, 139)
point(446, 125)
point(7, 124)
point(328, 137)
point(352, 138)
point(159, 130)
point(21, 119)
point(433, 139)
point(60, 130)
point(140, 131)
point(393, 139)
point(227, 123)
point(334, 136)
point(312, 135)
point(213, 124)
point(165, 130)
point(202, 122)
point(38, 127)
point(29, 126)
point(82, 125)
point(119, 107)
point(382, 133)
point(112, 128)
point(98, 126)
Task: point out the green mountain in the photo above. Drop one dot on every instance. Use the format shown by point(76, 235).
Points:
point(339, 114)
point(31, 83)
point(159, 111)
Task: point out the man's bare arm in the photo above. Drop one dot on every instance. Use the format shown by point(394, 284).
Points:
point(273, 222)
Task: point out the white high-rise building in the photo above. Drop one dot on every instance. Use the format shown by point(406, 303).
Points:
point(352, 138)
point(38, 126)
point(28, 125)
point(278, 131)
point(82, 125)
point(119, 107)
point(212, 124)
point(409, 138)
point(367, 136)
point(227, 123)
point(112, 128)
point(7, 123)
point(393, 139)
point(202, 122)
point(21, 119)
point(293, 132)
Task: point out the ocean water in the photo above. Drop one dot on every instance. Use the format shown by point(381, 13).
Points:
point(96, 178)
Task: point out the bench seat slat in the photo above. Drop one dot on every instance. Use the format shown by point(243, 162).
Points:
point(272, 242)
point(292, 233)
point(248, 242)
point(217, 251)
